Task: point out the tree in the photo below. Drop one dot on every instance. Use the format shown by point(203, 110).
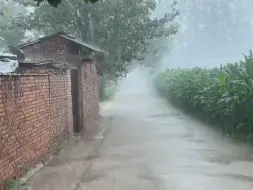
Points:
point(10, 34)
point(122, 28)
point(53, 3)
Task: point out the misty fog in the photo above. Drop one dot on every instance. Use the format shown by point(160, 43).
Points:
point(147, 74)
point(211, 32)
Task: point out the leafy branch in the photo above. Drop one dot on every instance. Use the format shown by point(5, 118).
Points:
point(55, 3)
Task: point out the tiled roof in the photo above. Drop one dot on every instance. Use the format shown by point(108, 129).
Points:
point(66, 36)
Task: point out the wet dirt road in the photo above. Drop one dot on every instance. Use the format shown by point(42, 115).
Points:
point(151, 145)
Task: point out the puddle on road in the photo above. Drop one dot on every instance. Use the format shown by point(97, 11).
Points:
point(232, 176)
point(197, 140)
point(189, 137)
point(166, 136)
point(92, 157)
point(220, 159)
point(89, 177)
point(147, 177)
point(165, 115)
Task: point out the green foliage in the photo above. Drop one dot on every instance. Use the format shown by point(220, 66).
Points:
point(10, 34)
point(53, 3)
point(107, 89)
point(223, 96)
point(122, 28)
point(14, 185)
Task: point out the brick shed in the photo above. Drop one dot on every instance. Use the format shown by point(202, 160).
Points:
point(53, 93)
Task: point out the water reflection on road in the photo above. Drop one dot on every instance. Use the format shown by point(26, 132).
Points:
point(152, 145)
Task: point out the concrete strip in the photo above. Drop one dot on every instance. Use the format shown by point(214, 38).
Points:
point(65, 170)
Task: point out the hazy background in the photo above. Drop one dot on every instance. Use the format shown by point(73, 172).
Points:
point(211, 32)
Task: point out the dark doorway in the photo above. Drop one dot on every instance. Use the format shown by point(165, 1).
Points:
point(75, 99)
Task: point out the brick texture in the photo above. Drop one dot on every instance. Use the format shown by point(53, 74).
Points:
point(64, 51)
point(55, 49)
point(60, 108)
point(36, 112)
point(90, 95)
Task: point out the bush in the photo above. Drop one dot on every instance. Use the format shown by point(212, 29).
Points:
point(106, 90)
point(222, 95)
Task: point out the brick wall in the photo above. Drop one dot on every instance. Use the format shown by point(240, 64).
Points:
point(60, 108)
point(35, 112)
point(54, 49)
point(90, 95)
point(36, 106)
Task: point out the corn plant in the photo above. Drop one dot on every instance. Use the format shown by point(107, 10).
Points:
point(223, 94)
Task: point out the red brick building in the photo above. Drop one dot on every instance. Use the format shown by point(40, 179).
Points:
point(52, 94)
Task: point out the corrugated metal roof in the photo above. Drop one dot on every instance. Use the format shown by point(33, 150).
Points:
point(68, 37)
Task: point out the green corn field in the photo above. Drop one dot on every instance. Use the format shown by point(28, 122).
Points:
point(222, 96)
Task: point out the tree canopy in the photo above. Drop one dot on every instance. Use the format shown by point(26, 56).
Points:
point(122, 28)
point(55, 3)
point(10, 34)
